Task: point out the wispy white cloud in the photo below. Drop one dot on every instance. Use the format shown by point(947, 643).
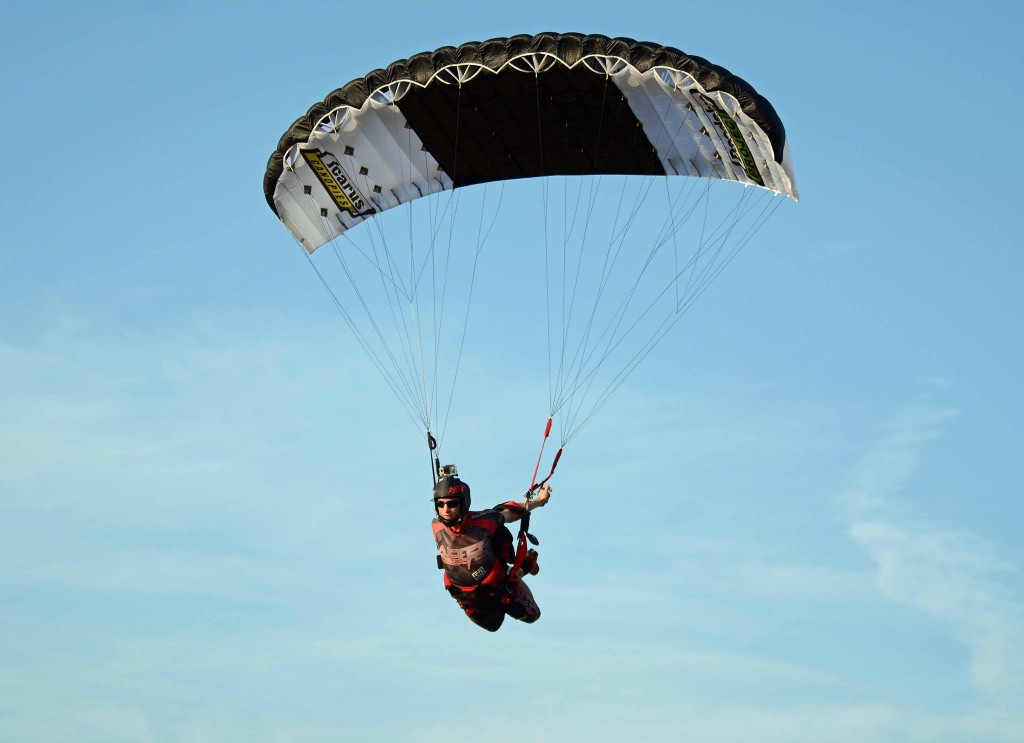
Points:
point(944, 572)
point(131, 415)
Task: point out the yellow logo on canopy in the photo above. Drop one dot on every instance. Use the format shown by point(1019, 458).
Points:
point(337, 183)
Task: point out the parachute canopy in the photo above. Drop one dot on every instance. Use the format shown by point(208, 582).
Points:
point(599, 128)
point(519, 107)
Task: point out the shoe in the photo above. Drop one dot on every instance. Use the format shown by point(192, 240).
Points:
point(530, 565)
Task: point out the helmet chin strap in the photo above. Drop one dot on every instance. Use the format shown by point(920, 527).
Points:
point(449, 522)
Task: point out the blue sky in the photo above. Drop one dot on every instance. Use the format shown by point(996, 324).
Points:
point(799, 521)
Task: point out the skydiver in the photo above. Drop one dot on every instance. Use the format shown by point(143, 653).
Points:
point(476, 551)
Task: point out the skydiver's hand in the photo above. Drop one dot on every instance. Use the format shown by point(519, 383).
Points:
point(541, 499)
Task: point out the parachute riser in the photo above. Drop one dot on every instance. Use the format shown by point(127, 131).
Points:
point(435, 463)
point(534, 485)
point(533, 480)
point(523, 552)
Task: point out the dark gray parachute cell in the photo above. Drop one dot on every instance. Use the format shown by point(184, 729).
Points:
point(519, 107)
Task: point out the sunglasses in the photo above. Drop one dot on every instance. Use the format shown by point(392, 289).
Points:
point(449, 503)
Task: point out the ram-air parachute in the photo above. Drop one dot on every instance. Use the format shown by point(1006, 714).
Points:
point(612, 180)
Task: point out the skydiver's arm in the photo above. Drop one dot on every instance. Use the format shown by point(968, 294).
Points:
point(513, 511)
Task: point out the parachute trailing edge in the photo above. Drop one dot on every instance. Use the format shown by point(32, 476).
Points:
point(519, 107)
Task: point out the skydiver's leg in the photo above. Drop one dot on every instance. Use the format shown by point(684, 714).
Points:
point(487, 615)
point(524, 608)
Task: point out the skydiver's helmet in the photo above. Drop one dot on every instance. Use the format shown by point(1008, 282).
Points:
point(452, 487)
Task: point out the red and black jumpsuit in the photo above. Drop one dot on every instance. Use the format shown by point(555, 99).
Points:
point(475, 554)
